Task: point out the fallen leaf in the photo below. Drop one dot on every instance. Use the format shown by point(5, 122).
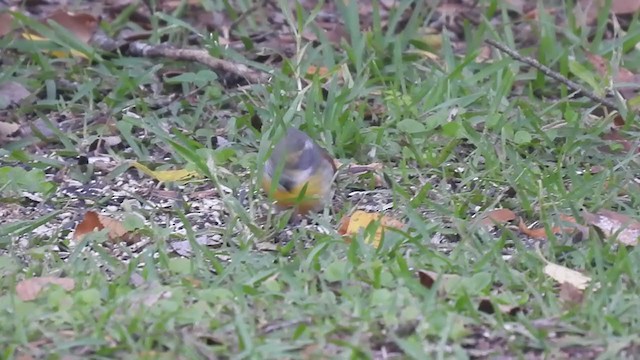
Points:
point(624, 228)
point(29, 289)
point(537, 233)
point(82, 25)
point(93, 221)
point(55, 53)
point(486, 306)
point(6, 20)
point(166, 175)
point(7, 130)
point(623, 7)
point(427, 278)
point(622, 76)
point(89, 223)
point(591, 8)
point(616, 137)
point(361, 219)
point(541, 233)
point(183, 248)
point(12, 93)
point(484, 55)
point(563, 274)
point(447, 281)
point(570, 294)
point(496, 217)
point(111, 141)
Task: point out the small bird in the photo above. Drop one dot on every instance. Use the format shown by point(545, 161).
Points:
point(306, 173)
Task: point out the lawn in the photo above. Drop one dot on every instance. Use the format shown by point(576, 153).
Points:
point(503, 185)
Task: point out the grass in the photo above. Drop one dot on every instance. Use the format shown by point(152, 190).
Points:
point(278, 291)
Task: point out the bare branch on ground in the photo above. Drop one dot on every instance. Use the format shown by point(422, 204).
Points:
point(553, 74)
point(143, 49)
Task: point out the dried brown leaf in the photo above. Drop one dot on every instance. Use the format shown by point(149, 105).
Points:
point(570, 294)
point(29, 289)
point(541, 233)
point(616, 137)
point(82, 25)
point(590, 9)
point(496, 217)
point(623, 7)
point(486, 306)
point(96, 222)
point(428, 279)
point(622, 74)
point(5, 23)
point(625, 229)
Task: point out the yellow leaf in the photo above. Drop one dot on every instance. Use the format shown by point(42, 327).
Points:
point(55, 53)
point(563, 274)
point(166, 175)
point(361, 219)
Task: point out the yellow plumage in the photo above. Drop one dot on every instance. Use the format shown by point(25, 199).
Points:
point(306, 175)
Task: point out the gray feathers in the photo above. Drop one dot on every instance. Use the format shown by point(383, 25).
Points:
point(298, 156)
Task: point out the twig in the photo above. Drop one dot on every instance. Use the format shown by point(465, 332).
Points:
point(139, 48)
point(142, 49)
point(552, 74)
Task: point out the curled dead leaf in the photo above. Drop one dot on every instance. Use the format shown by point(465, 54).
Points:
point(428, 279)
point(537, 233)
point(496, 217)
point(486, 306)
point(541, 233)
point(96, 222)
point(29, 289)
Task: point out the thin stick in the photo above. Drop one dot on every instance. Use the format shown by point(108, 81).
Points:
point(143, 49)
point(552, 74)
point(139, 48)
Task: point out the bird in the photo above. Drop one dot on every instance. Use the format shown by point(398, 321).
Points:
point(305, 170)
